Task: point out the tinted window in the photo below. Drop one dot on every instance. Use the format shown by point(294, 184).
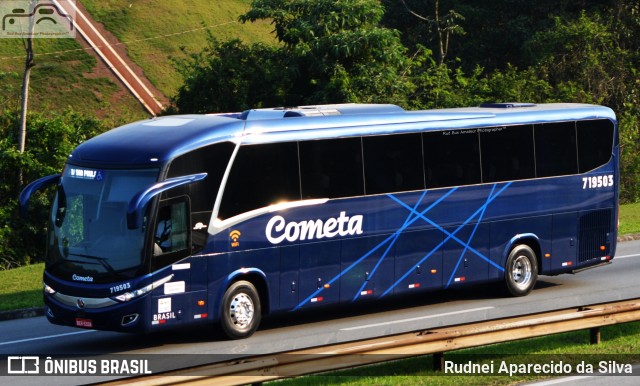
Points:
point(507, 153)
point(172, 230)
point(595, 143)
point(212, 160)
point(451, 158)
point(556, 152)
point(393, 163)
point(172, 237)
point(261, 175)
point(331, 168)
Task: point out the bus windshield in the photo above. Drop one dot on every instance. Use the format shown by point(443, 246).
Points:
point(88, 235)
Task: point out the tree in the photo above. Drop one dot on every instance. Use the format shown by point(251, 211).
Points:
point(625, 21)
point(232, 76)
point(50, 142)
point(443, 25)
point(340, 53)
point(582, 54)
point(28, 65)
point(330, 52)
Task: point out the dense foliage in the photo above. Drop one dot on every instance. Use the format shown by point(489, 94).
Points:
point(50, 140)
point(415, 53)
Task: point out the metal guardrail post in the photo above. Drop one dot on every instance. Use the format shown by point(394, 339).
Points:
point(594, 335)
point(438, 361)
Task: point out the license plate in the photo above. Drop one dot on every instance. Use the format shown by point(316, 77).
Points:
point(86, 323)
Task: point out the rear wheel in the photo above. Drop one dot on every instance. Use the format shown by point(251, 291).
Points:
point(241, 312)
point(521, 271)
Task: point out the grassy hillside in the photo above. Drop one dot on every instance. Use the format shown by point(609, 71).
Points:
point(67, 76)
point(155, 30)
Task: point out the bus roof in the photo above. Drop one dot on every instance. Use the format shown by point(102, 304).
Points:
point(156, 141)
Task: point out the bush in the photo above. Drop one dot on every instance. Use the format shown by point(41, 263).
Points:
point(50, 140)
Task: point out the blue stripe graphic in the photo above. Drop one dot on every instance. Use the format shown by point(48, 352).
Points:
point(414, 216)
point(392, 236)
point(391, 244)
point(467, 245)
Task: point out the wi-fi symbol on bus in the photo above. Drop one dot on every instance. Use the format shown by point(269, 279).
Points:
point(235, 235)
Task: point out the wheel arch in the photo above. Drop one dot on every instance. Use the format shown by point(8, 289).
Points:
point(529, 239)
point(255, 276)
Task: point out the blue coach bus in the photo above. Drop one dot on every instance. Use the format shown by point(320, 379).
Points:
point(225, 218)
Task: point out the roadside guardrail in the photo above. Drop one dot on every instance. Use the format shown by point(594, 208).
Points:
point(253, 370)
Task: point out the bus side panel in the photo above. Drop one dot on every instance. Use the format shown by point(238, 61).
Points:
point(466, 255)
point(170, 303)
point(289, 278)
point(366, 266)
point(507, 234)
point(563, 249)
point(227, 268)
point(196, 306)
point(168, 310)
point(418, 261)
point(319, 264)
point(198, 270)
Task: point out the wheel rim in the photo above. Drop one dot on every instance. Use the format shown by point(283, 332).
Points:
point(241, 310)
point(521, 272)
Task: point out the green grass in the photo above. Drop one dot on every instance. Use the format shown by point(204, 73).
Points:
point(629, 219)
point(155, 30)
point(65, 77)
point(21, 287)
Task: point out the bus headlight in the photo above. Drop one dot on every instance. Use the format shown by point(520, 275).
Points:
point(48, 289)
point(127, 296)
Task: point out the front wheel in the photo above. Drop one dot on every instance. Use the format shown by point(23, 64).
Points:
point(241, 312)
point(521, 271)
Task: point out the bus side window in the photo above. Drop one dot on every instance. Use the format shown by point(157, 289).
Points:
point(171, 241)
point(393, 163)
point(595, 144)
point(556, 151)
point(213, 160)
point(507, 153)
point(331, 168)
point(261, 175)
point(451, 158)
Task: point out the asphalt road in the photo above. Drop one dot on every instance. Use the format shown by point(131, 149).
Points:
point(617, 281)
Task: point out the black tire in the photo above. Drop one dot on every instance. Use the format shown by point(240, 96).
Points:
point(241, 311)
point(521, 271)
